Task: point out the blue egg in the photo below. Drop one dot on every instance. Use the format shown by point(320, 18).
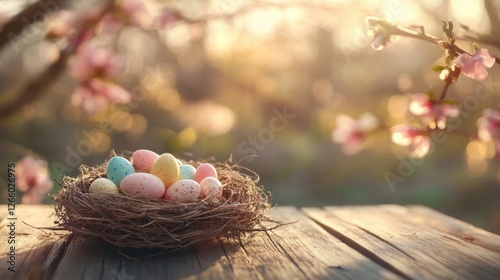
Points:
point(186, 171)
point(118, 168)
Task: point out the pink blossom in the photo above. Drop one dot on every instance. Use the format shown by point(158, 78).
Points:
point(489, 125)
point(411, 136)
point(488, 128)
point(441, 44)
point(33, 179)
point(475, 66)
point(93, 61)
point(95, 94)
point(432, 111)
point(380, 40)
point(351, 133)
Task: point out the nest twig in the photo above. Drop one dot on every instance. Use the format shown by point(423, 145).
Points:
point(138, 222)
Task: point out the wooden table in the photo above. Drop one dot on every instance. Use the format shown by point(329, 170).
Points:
point(354, 242)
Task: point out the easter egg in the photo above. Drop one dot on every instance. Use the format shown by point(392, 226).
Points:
point(103, 185)
point(118, 168)
point(143, 184)
point(166, 168)
point(184, 190)
point(211, 186)
point(203, 171)
point(179, 162)
point(186, 171)
point(142, 160)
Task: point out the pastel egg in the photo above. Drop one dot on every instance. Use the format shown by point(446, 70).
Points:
point(211, 186)
point(166, 168)
point(143, 184)
point(186, 171)
point(103, 185)
point(179, 162)
point(118, 168)
point(184, 190)
point(203, 171)
point(142, 160)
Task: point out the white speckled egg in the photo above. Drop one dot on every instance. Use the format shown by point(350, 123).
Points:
point(143, 184)
point(184, 191)
point(103, 185)
point(203, 171)
point(211, 186)
point(142, 160)
point(166, 168)
point(118, 168)
point(186, 171)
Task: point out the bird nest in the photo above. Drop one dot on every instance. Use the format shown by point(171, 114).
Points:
point(138, 222)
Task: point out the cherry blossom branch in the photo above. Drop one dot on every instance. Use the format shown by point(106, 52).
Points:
point(447, 84)
point(421, 35)
point(27, 16)
point(35, 89)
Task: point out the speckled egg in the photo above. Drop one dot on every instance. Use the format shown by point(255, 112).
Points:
point(184, 191)
point(211, 186)
point(103, 185)
point(179, 162)
point(143, 184)
point(186, 171)
point(142, 160)
point(203, 171)
point(166, 168)
point(118, 168)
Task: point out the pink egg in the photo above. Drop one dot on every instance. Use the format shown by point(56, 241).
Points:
point(184, 190)
point(143, 160)
point(210, 186)
point(143, 184)
point(203, 171)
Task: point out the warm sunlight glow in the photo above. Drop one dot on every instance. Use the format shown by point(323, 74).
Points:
point(470, 13)
point(397, 105)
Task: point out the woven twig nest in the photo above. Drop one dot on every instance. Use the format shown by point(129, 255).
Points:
point(138, 222)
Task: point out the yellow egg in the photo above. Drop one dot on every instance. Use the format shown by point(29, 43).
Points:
point(103, 185)
point(166, 168)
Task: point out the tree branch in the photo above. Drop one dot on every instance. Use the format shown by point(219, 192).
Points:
point(31, 14)
point(37, 87)
point(406, 32)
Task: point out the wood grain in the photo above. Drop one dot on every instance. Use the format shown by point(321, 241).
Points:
point(322, 255)
point(32, 245)
point(366, 242)
point(441, 253)
point(420, 215)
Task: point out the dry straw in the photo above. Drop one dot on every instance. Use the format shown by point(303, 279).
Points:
point(138, 222)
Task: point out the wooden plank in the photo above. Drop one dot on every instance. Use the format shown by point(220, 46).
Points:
point(425, 216)
point(82, 259)
point(241, 264)
point(32, 245)
point(214, 263)
point(440, 252)
point(318, 254)
point(372, 247)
